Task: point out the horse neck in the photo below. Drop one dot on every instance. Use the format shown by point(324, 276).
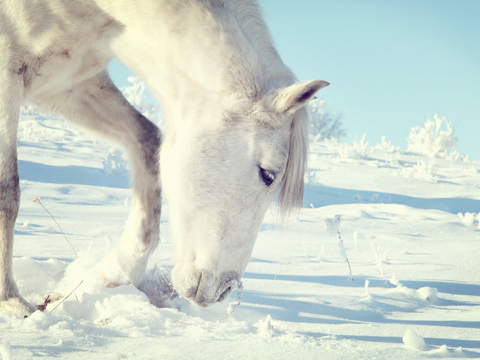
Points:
point(198, 49)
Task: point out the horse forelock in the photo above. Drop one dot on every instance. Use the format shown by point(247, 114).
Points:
point(290, 195)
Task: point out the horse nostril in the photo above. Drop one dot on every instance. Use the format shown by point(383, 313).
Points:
point(225, 294)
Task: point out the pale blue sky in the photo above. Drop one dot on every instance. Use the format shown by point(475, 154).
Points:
point(391, 64)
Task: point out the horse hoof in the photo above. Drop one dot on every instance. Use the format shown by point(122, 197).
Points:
point(17, 306)
point(110, 285)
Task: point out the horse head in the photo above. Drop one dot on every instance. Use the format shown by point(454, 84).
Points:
point(221, 172)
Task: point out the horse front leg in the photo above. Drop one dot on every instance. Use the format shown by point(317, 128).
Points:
point(10, 99)
point(97, 105)
point(126, 263)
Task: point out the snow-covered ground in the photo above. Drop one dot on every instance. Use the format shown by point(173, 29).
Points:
point(413, 291)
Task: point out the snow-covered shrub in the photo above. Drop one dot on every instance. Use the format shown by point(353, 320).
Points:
point(33, 111)
point(422, 171)
point(135, 94)
point(115, 164)
point(456, 156)
point(26, 130)
point(324, 125)
point(311, 177)
point(358, 150)
point(30, 116)
point(386, 146)
point(264, 327)
point(434, 139)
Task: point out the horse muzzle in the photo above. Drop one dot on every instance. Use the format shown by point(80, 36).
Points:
point(205, 288)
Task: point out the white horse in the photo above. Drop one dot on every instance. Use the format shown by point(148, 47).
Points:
point(236, 125)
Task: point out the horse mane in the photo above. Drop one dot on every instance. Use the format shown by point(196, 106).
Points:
point(250, 17)
point(270, 72)
point(266, 69)
point(290, 194)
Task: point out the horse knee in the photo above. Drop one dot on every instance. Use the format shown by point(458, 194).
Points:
point(149, 138)
point(9, 191)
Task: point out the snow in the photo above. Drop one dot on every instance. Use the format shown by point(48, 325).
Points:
point(414, 341)
point(412, 244)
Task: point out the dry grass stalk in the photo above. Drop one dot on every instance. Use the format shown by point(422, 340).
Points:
point(66, 297)
point(37, 200)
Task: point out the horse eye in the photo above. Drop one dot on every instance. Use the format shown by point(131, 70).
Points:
point(267, 176)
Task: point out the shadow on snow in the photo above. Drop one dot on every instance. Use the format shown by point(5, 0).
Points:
point(319, 195)
point(359, 282)
point(77, 175)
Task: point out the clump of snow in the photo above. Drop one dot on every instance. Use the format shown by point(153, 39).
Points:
point(379, 258)
point(36, 279)
point(265, 327)
point(470, 219)
point(333, 225)
point(443, 352)
point(429, 294)
point(414, 341)
point(333, 228)
point(367, 297)
point(5, 350)
point(426, 294)
point(321, 254)
point(435, 139)
point(87, 268)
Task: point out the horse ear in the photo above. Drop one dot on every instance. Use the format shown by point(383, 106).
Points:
point(295, 96)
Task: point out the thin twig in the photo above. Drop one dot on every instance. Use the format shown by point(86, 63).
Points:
point(37, 199)
point(305, 249)
point(346, 258)
point(239, 300)
point(66, 297)
point(408, 222)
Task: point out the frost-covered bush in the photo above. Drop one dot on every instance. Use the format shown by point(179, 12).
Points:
point(456, 156)
point(30, 116)
point(311, 177)
point(422, 171)
point(324, 125)
point(115, 164)
point(386, 146)
point(135, 94)
point(358, 150)
point(435, 139)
